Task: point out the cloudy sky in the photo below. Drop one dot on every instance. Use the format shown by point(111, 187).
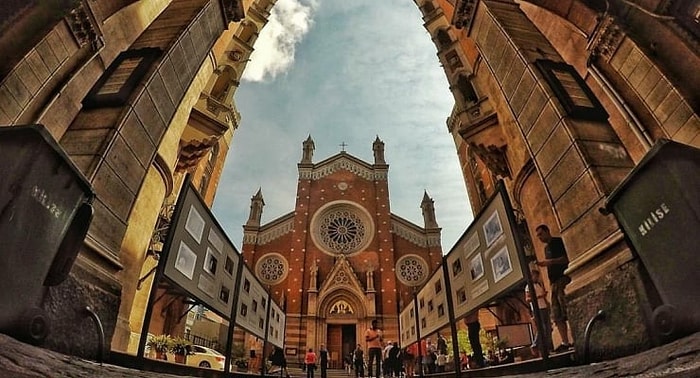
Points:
point(344, 71)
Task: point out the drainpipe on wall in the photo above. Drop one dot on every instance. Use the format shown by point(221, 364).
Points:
point(637, 127)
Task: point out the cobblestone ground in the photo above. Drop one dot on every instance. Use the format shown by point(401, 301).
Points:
point(678, 359)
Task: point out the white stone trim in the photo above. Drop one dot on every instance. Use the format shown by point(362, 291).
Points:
point(342, 163)
point(275, 232)
point(411, 235)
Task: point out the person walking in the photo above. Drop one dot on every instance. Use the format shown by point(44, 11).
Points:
point(543, 337)
point(373, 336)
point(323, 360)
point(277, 359)
point(473, 330)
point(409, 355)
point(556, 261)
point(394, 360)
point(310, 363)
point(358, 359)
point(386, 366)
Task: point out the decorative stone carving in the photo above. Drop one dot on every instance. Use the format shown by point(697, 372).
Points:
point(272, 269)
point(343, 163)
point(233, 10)
point(370, 279)
point(464, 13)
point(342, 228)
point(275, 232)
point(341, 307)
point(191, 152)
point(83, 28)
point(412, 270)
point(494, 158)
point(606, 39)
point(313, 277)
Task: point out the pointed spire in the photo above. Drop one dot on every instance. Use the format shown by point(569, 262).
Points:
point(428, 207)
point(256, 208)
point(308, 150)
point(378, 148)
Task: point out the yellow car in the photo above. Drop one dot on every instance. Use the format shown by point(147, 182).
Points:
point(205, 358)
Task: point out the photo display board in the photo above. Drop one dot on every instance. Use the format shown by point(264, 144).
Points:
point(252, 304)
point(486, 262)
point(200, 257)
point(432, 304)
point(277, 321)
point(407, 325)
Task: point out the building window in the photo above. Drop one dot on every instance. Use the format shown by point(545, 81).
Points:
point(444, 40)
point(115, 86)
point(342, 229)
point(411, 270)
point(427, 8)
point(453, 60)
point(438, 287)
point(272, 268)
point(465, 88)
point(571, 90)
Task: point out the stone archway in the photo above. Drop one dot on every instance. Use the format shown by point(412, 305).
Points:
point(340, 319)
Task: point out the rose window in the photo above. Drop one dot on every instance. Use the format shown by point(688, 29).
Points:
point(342, 227)
point(411, 270)
point(271, 269)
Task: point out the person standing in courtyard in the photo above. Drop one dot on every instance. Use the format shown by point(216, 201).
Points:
point(323, 360)
point(310, 362)
point(373, 337)
point(473, 330)
point(556, 261)
point(358, 359)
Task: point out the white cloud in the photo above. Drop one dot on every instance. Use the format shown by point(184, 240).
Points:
point(363, 68)
point(289, 22)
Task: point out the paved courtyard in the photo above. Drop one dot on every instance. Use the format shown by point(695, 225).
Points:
point(677, 359)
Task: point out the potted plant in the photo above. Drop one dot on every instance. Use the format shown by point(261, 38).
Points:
point(180, 348)
point(159, 345)
point(239, 359)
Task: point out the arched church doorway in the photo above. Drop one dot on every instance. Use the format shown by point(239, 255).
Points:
point(342, 339)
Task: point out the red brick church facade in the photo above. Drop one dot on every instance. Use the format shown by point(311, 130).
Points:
point(332, 262)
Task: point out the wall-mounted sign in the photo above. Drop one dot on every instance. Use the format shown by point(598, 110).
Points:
point(253, 301)
point(199, 256)
point(407, 325)
point(432, 304)
point(276, 324)
point(485, 263)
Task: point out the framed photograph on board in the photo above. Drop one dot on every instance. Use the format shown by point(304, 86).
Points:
point(477, 267)
point(195, 224)
point(186, 260)
point(501, 265)
point(492, 228)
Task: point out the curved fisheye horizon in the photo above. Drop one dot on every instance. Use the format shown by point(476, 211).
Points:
point(344, 73)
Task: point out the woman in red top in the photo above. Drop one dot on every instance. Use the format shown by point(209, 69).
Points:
point(310, 362)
